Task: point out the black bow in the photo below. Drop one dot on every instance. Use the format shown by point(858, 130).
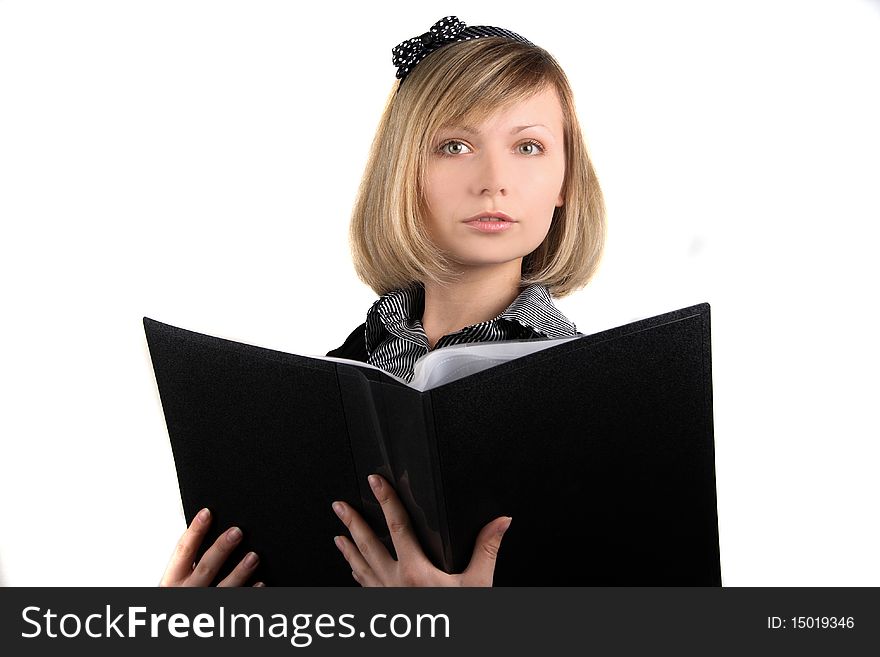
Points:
point(409, 53)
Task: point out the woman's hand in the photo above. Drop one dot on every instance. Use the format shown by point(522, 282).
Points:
point(183, 571)
point(372, 565)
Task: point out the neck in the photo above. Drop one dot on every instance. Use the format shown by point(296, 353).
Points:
point(478, 295)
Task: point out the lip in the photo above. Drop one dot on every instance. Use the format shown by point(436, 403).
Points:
point(497, 215)
point(490, 226)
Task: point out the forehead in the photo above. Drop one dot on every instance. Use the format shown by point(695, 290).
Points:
point(541, 108)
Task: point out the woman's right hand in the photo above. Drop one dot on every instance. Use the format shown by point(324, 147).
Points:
point(182, 569)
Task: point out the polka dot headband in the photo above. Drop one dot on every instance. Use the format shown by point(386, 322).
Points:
point(447, 30)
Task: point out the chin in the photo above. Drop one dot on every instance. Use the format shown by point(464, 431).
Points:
point(485, 259)
point(488, 253)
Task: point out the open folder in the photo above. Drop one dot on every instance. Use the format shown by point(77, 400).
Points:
point(600, 447)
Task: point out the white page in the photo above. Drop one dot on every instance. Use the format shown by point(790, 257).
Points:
point(442, 366)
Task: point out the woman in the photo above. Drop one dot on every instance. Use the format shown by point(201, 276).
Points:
point(478, 205)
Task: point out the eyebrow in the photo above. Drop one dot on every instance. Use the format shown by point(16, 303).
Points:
point(474, 131)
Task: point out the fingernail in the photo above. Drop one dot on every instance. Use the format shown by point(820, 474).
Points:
point(233, 535)
point(505, 525)
point(259, 584)
point(375, 482)
point(339, 509)
point(338, 541)
point(203, 515)
point(251, 559)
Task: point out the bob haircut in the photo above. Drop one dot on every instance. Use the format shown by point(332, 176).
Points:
point(465, 83)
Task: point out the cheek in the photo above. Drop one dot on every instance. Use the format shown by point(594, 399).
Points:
point(543, 189)
point(437, 186)
point(541, 228)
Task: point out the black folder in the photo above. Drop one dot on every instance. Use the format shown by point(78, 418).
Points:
point(600, 448)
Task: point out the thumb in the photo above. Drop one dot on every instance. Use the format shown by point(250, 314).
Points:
point(481, 569)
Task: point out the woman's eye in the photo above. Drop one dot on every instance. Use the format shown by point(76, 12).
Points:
point(530, 148)
point(453, 148)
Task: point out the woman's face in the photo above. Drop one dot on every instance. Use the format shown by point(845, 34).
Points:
point(514, 164)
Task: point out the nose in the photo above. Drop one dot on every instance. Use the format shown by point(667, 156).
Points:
point(491, 177)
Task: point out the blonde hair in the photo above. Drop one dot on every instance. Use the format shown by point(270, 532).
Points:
point(466, 83)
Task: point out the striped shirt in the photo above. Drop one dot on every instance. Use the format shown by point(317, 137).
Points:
point(396, 338)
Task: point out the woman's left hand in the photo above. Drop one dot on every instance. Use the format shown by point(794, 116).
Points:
point(372, 565)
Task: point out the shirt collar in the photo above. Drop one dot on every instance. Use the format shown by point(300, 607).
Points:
point(399, 313)
point(534, 309)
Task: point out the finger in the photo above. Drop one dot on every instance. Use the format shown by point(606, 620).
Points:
point(405, 542)
point(360, 569)
point(242, 572)
point(259, 585)
point(180, 564)
point(366, 580)
point(206, 569)
point(481, 569)
point(365, 541)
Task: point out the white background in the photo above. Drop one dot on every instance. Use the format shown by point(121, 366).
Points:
point(196, 162)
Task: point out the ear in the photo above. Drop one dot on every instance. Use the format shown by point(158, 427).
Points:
point(560, 201)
